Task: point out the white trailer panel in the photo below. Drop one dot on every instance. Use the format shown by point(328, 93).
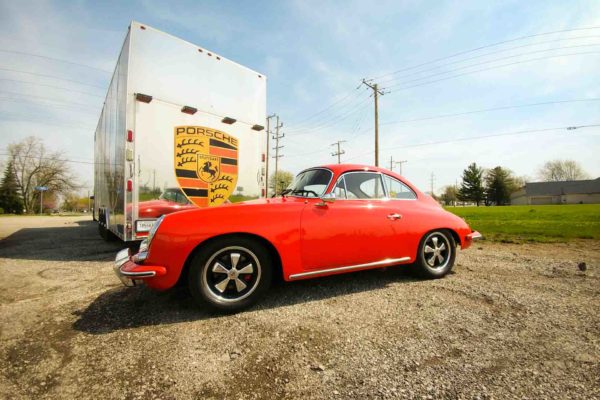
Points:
point(176, 116)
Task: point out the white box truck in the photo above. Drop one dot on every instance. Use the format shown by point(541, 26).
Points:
point(181, 127)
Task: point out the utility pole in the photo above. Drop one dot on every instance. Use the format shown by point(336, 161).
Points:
point(431, 180)
point(376, 93)
point(400, 164)
point(339, 151)
point(277, 156)
point(393, 163)
point(267, 155)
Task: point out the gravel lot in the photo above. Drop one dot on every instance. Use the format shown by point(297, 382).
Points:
point(512, 321)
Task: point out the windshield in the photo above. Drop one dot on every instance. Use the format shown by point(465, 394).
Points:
point(310, 183)
point(174, 195)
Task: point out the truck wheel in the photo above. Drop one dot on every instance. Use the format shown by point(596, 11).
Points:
point(105, 234)
point(436, 254)
point(230, 274)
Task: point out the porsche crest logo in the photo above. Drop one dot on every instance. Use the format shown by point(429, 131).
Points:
point(206, 164)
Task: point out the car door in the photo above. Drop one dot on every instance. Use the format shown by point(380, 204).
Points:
point(357, 228)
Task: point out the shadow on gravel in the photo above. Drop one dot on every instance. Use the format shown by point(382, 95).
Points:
point(75, 241)
point(124, 308)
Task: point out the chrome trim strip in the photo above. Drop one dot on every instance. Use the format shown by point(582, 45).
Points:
point(387, 261)
point(144, 274)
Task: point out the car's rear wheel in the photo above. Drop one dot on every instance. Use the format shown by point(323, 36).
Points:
point(436, 254)
point(230, 274)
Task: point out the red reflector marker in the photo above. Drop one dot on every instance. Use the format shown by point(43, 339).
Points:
point(144, 98)
point(263, 157)
point(262, 192)
point(189, 110)
point(130, 136)
point(129, 185)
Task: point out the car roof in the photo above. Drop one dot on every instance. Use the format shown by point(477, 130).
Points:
point(340, 168)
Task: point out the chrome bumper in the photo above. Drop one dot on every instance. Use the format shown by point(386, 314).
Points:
point(126, 277)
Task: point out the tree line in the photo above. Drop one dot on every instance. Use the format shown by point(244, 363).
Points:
point(495, 186)
point(31, 165)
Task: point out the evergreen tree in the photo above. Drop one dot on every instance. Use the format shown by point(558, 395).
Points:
point(499, 184)
point(10, 201)
point(471, 188)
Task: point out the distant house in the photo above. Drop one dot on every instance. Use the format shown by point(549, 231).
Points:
point(566, 192)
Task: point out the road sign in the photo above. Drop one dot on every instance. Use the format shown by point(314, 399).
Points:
point(41, 188)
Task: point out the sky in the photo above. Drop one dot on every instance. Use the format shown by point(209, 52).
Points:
point(518, 73)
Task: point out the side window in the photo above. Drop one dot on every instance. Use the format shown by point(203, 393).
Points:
point(364, 185)
point(340, 189)
point(397, 189)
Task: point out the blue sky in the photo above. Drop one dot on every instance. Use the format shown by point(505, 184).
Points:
point(315, 53)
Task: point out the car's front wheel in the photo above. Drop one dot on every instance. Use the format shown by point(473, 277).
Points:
point(230, 274)
point(436, 254)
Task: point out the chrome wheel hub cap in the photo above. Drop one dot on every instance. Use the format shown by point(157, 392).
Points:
point(231, 274)
point(437, 251)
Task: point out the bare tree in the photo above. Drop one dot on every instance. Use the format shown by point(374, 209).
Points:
point(35, 166)
point(281, 180)
point(561, 170)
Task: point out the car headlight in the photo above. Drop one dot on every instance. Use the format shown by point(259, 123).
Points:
point(153, 230)
point(142, 253)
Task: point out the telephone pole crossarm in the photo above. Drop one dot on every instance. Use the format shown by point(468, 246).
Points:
point(339, 151)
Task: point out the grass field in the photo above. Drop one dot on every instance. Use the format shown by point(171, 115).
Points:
point(557, 223)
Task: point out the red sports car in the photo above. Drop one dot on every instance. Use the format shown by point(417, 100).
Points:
point(331, 220)
point(171, 200)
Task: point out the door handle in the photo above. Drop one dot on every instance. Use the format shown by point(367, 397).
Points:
point(394, 216)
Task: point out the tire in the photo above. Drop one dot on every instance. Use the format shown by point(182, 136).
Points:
point(106, 234)
point(436, 254)
point(212, 283)
point(103, 232)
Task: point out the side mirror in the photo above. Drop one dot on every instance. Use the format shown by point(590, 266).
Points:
point(326, 198)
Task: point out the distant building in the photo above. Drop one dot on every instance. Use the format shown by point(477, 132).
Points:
point(566, 192)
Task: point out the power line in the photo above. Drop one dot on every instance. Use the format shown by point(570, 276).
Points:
point(44, 121)
point(303, 121)
point(492, 61)
point(51, 86)
point(490, 68)
point(80, 110)
point(330, 118)
point(28, 97)
point(50, 76)
point(54, 59)
point(489, 54)
point(57, 159)
point(522, 132)
point(334, 121)
point(441, 116)
point(484, 47)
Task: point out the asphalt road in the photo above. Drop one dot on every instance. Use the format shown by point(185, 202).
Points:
point(512, 321)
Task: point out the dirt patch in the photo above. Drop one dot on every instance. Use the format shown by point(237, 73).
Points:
point(512, 321)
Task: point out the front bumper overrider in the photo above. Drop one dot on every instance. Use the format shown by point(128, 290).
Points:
point(131, 273)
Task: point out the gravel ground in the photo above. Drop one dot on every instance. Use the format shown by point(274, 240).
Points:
point(512, 321)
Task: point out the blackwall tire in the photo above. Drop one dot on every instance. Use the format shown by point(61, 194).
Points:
point(230, 274)
point(436, 254)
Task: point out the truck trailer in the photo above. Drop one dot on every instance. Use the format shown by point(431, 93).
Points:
point(181, 127)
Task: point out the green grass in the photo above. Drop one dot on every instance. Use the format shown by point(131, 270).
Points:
point(556, 223)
